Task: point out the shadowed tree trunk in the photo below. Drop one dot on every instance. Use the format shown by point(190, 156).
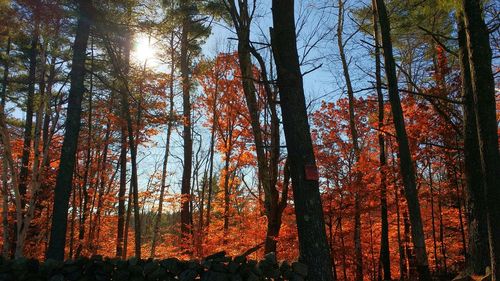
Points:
point(68, 152)
point(385, 259)
point(406, 163)
point(483, 89)
point(186, 133)
point(313, 245)
point(211, 156)
point(125, 104)
point(122, 191)
point(267, 165)
point(167, 152)
point(358, 255)
point(28, 125)
point(4, 191)
point(477, 256)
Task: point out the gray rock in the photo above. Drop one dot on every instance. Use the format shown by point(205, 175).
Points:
point(240, 259)
point(218, 267)
point(57, 277)
point(188, 275)
point(299, 268)
point(270, 257)
point(253, 277)
point(233, 267)
point(217, 255)
point(297, 277)
point(171, 265)
point(215, 276)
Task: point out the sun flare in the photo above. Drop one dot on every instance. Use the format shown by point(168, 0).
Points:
point(144, 51)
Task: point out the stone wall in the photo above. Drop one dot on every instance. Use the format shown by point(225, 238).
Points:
point(217, 267)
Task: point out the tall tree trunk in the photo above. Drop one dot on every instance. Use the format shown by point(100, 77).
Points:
point(313, 244)
point(402, 256)
point(28, 125)
point(5, 210)
point(406, 162)
point(186, 135)
point(84, 199)
point(227, 162)
point(483, 89)
point(267, 166)
point(477, 257)
point(433, 219)
point(211, 156)
point(5, 81)
point(170, 124)
point(93, 245)
point(127, 221)
point(5, 194)
point(342, 243)
point(68, 151)
point(441, 232)
point(38, 163)
point(122, 191)
point(133, 148)
point(72, 225)
point(385, 259)
point(358, 255)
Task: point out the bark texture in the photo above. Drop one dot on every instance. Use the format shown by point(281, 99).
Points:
point(313, 245)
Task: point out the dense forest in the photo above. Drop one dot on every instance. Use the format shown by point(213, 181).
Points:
point(359, 137)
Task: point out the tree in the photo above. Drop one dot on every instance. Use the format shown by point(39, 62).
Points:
point(241, 14)
point(483, 89)
point(406, 162)
point(313, 245)
point(170, 125)
point(478, 248)
point(68, 150)
point(385, 259)
point(355, 142)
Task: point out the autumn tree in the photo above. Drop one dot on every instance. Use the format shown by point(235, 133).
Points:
point(308, 208)
point(241, 14)
point(406, 163)
point(483, 91)
point(68, 151)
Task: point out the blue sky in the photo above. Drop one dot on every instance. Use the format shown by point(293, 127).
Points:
point(324, 83)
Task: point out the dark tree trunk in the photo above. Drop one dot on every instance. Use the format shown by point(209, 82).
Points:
point(406, 162)
point(133, 150)
point(313, 245)
point(170, 124)
point(186, 135)
point(127, 221)
point(433, 219)
point(28, 125)
point(72, 225)
point(356, 181)
point(441, 232)
point(5, 81)
point(267, 165)
point(93, 240)
point(122, 191)
point(4, 191)
point(226, 185)
point(84, 198)
point(483, 89)
point(68, 152)
point(211, 157)
point(385, 260)
point(477, 257)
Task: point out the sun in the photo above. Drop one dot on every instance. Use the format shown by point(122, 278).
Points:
point(144, 51)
